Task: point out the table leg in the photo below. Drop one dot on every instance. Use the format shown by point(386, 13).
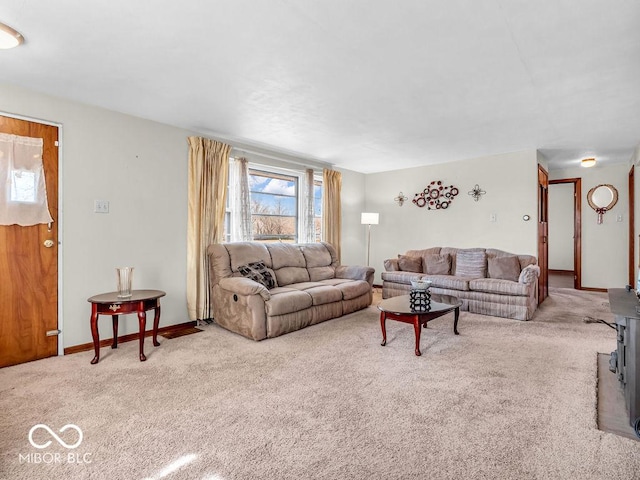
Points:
point(95, 334)
point(156, 322)
point(417, 327)
point(455, 320)
point(142, 320)
point(383, 318)
point(114, 320)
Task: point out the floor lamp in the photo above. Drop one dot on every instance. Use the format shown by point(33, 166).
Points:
point(369, 219)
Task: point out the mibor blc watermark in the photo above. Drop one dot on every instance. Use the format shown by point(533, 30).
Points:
point(55, 457)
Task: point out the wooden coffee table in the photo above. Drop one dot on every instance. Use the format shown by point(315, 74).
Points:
point(397, 308)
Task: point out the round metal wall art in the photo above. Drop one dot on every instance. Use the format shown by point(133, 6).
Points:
point(436, 196)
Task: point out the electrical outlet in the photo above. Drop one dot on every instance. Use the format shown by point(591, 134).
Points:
point(101, 206)
point(619, 218)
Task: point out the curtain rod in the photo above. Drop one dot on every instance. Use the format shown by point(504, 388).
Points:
point(239, 151)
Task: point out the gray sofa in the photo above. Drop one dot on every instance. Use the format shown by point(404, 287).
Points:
point(263, 290)
point(486, 281)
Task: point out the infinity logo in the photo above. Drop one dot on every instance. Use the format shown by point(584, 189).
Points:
point(52, 433)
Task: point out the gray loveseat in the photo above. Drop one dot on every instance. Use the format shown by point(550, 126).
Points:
point(262, 290)
point(486, 281)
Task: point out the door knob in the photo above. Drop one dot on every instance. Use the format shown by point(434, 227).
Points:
point(48, 243)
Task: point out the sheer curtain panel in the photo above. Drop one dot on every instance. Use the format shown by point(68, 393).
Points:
point(241, 202)
point(23, 193)
point(208, 179)
point(331, 209)
point(309, 223)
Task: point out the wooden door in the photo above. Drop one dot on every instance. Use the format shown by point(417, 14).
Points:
point(543, 233)
point(632, 231)
point(28, 268)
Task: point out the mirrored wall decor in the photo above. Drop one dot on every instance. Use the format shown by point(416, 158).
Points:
point(602, 198)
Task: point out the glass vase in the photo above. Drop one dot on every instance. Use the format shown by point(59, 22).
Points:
point(124, 276)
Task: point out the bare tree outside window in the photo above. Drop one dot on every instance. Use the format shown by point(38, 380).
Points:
point(274, 206)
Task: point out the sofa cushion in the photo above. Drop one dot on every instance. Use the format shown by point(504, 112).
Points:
point(285, 255)
point(401, 277)
point(423, 252)
point(258, 272)
point(410, 264)
point(391, 265)
point(350, 288)
point(288, 275)
point(436, 264)
point(242, 253)
point(505, 268)
point(448, 281)
point(287, 300)
point(503, 287)
point(316, 255)
point(320, 293)
point(471, 263)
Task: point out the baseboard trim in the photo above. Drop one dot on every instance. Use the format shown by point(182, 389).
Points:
point(561, 272)
point(589, 289)
point(127, 338)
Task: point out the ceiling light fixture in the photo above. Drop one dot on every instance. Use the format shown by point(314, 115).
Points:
point(587, 162)
point(9, 38)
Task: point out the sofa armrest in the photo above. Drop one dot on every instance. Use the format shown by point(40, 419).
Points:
point(355, 273)
point(244, 286)
point(392, 265)
point(529, 274)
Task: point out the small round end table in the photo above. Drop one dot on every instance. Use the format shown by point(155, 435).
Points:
point(111, 304)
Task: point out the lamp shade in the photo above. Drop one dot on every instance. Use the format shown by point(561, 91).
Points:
point(369, 218)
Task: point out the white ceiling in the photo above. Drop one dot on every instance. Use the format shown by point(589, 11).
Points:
point(367, 85)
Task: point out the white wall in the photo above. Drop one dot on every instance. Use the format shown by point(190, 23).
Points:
point(353, 234)
point(510, 181)
point(561, 226)
point(604, 246)
point(140, 167)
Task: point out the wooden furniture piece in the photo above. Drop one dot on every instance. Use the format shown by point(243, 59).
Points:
point(398, 308)
point(625, 361)
point(110, 304)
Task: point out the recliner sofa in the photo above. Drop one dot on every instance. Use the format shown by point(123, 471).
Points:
point(263, 290)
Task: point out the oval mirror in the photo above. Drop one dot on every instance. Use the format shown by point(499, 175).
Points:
point(602, 198)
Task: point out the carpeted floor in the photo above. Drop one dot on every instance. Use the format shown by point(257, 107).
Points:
point(503, 400)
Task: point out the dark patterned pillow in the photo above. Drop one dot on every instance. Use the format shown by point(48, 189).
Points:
point(257, 271)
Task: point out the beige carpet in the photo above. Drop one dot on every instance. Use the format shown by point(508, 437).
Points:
point(504, 400)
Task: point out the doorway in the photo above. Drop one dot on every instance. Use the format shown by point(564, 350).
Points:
point(29, 263)
point(565, 233)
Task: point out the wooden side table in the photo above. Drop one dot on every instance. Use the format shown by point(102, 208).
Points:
point(110, 304)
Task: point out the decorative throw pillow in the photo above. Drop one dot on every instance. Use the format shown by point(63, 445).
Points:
point(410, 264)
point(258, 272)
point(435, 264)
point(505, 268)
point(471, 263)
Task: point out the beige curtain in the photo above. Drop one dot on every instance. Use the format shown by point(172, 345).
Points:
point(331, 211)
point(208, 179)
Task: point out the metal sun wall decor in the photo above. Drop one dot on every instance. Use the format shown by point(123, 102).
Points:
point(436, 196)
point(401, 198)
point(477, 192)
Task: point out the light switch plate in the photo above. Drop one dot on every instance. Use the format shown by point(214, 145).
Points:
point(101, 206)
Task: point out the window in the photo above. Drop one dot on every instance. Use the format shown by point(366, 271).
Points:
point(277, 205)
point(274, 206)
